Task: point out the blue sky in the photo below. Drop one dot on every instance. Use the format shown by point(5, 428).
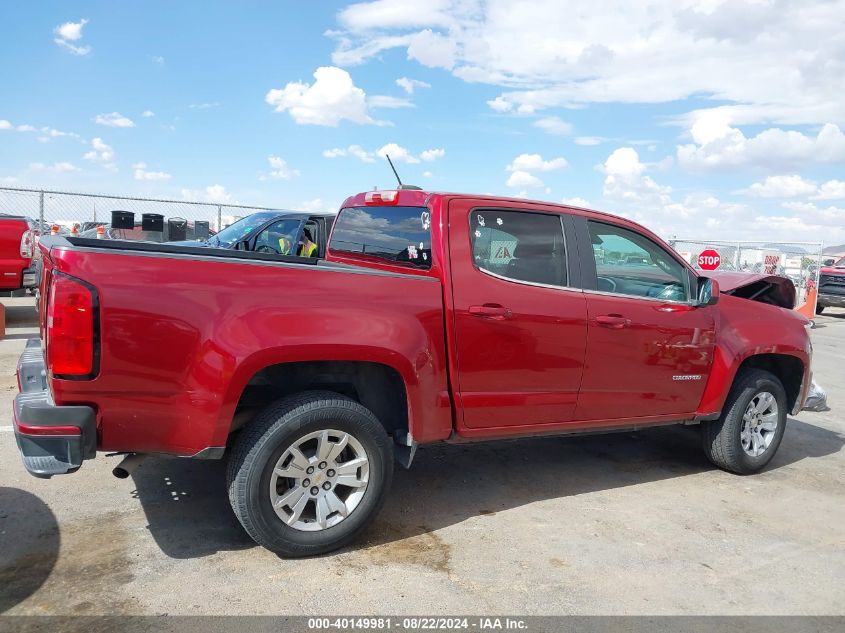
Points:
point(696, 118)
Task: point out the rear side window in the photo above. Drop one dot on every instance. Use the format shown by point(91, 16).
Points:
point(400, 235)
point(519, 245)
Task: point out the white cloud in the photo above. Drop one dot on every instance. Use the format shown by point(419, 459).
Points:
point(147, 114)
point(719, 146)
point(141, 173)
point(831, 190)
point(500, 104)
point(102, 153)
point(158, 60)
point(332, 98)
point(280, 170)
point(25, 128)
point(430, 155)
point(316, 205)
point(523, 179)
point(535, 162)
point(71, 32)
point(621, 51)
point(432, 49)
point(409, 85)
point(576, 202)
point(353, 150)
point(397, 153)
point(206, 105)
point(383, 101)
point(629, 191)
point(588, 140)
point(212, 193)
point(57, 168)
point(783, 187)
point(114, 119)
point(5, 125)
point(554, 125)
point(427, 174)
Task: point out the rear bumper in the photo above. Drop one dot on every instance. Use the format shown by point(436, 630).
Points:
point(31, 276)
point(53, 440)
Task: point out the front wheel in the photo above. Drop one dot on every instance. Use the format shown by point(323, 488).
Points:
point(309, 473)
point(748, 433)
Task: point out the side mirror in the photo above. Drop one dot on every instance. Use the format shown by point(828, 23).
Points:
point(708, 291)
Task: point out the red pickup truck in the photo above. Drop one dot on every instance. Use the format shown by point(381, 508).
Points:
point(831, 286)
point(434, 317)
point(17, 247)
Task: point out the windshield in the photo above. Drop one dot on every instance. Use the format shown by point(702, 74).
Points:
point(240, 229)
point(840, 263)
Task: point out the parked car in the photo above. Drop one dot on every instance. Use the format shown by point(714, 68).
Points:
point(831, 286)
point(275, 232)
point(137, 233)
point(18, 266)
point(434, 317)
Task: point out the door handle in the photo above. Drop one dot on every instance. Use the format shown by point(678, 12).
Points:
point(613, 321)
point(492, 311)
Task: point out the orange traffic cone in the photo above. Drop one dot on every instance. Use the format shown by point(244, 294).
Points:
point(74, 230)
point(808, 308)
point(101, 232)
point(54, 230)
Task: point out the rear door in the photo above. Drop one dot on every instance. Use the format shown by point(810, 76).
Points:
point(520, 325)
point(649, 348)
point(11, 262)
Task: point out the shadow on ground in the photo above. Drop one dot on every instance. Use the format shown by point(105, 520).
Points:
point(189, 516)
point(31, 528)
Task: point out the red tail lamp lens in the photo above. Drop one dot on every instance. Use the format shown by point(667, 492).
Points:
point(70, 328)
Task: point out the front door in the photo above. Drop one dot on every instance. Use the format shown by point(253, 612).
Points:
point(520, 330)
point(649, 348)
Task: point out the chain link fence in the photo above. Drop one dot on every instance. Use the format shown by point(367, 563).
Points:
point(798, 261)
point(85, 210)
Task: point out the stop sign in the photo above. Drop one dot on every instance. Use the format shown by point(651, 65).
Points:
point(709, 259)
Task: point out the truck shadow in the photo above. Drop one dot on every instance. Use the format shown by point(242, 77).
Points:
point(30, 537)
point(189, 516)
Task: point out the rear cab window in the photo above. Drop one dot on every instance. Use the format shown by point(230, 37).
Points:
point(398, 235)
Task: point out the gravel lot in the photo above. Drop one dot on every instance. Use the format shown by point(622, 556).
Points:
point(611, 524)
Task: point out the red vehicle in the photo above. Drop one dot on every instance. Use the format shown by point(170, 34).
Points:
point(17, 247)
point(435, 317)
point(831, 286)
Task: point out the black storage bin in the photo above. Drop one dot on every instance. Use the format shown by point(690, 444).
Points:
point(152, 222)
point(177, 229)
point(122, 220)
point(201, 230)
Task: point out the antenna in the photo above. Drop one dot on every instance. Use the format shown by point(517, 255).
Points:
point(394, 170)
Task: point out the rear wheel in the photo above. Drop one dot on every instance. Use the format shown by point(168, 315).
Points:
point(747, 435)
point(309, 473)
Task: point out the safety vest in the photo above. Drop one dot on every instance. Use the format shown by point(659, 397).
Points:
point(284, 246)
point(307, 251)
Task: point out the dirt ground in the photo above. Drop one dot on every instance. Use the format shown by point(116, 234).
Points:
point(636, 523)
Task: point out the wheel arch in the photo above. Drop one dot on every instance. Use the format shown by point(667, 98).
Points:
point(378, 386)
point(788, 369)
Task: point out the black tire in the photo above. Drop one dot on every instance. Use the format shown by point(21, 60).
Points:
point(269, 435)
point(721, 438)
point(819, 309)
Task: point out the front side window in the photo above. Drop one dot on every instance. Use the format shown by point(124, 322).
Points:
point(628, 263)
point(519, 245)
point(400, 235)
point(278, 238)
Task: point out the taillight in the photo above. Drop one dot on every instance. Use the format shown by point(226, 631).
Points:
point(26, 244)
point(71, 336)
